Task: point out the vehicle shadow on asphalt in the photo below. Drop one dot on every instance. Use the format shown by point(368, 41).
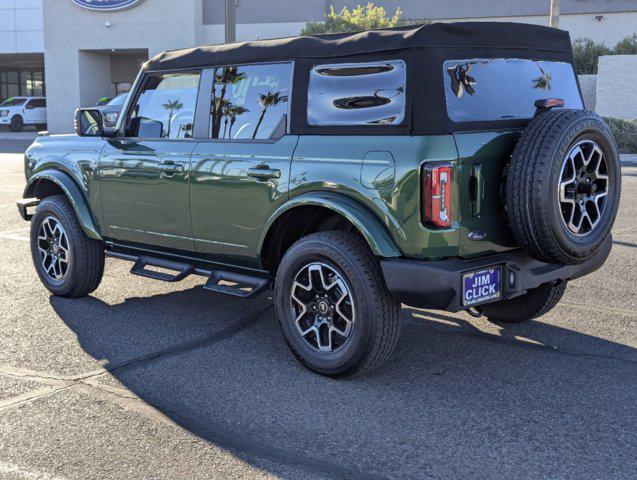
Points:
point(452, 400)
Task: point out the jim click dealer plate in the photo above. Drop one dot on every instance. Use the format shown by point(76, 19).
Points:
point(481, 285)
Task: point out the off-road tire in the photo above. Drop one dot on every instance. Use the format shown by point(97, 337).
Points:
point(533, 179)
point(17, 124)
point(41, 127)
point(376, 325)
point(86, 265)
point(532, 304)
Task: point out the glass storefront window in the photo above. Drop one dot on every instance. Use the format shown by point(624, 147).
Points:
point(24, 82)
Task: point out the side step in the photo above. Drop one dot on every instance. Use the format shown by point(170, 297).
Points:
point(227, 282)
point(236, 284)
point(182, 269)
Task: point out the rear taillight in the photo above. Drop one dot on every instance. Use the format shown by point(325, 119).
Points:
point(437, 195)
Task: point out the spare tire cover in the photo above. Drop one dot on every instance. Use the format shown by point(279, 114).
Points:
point(563, 186)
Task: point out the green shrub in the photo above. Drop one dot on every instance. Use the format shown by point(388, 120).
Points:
point(585, 55)
point(360, 18)
point(625, 133)
point(586, 52)
point(627, 46)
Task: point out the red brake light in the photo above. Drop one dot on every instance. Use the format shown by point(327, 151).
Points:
point(437, 195)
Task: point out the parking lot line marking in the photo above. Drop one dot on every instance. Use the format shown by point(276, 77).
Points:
point(33, 395)
point(26, 473)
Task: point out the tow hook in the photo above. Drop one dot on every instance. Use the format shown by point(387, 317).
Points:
point(474, 311)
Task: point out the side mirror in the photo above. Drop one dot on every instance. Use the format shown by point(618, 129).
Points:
point(145, 128)
point(89, 122)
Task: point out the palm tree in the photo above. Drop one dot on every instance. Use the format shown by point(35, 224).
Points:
point(543, 81)
point(172, 106)
point(267, 100)
point(234, 111)
point(229, 75)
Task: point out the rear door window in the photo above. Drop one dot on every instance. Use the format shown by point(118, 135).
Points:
point(505, 88)
point(371, 93)
point(250, 102)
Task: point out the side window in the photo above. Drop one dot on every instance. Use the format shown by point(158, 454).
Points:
point(251, 101)
point(165, 107)
point(38, 103)
point(370, 93)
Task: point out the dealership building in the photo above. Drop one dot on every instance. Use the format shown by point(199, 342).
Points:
point(77, 51)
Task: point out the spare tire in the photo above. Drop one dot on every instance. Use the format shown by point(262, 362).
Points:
point(563, 186)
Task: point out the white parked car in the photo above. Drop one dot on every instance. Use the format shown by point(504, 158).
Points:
point(16, 112)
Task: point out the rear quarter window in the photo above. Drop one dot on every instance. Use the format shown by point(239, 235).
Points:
point(505, 88)
point(371, 93)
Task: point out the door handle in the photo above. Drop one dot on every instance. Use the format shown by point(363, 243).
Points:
point(263, 172)
point(170, 168)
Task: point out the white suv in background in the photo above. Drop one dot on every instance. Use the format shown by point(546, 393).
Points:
point(16, 112)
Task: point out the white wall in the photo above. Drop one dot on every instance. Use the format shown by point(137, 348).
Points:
point(21, 26)
point(615, 86)
point(155, 25)
point(611, 29)
point(588, 84)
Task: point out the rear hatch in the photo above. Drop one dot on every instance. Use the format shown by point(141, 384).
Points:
point(490, 101)
point(483, 157)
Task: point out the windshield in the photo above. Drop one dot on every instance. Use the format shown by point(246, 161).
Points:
point(13, 102)
point(118, 101)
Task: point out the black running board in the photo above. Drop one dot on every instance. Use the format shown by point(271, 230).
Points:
point(182, 269)
point(236, 284)
point(227, 282)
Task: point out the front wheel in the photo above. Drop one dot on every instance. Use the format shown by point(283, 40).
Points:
point(69, 263)
point(17, 124)
point(532, 304)
point(335, 311)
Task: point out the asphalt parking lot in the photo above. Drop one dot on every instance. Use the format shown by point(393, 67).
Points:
point(151, 380)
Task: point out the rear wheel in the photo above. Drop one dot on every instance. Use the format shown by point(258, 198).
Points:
point(69, 263)
point(335, 311)
point(41, 127)
point(17, 123)
point(533, 304)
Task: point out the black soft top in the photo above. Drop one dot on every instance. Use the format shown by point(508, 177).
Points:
point(435, 35)
point(424, 48)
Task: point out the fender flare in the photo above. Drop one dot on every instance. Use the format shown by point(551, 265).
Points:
point(74, 195)
point(367, 224)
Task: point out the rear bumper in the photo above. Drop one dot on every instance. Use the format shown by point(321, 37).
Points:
point(437, 284)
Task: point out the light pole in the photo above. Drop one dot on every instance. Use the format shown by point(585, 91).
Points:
point(231, 21)
point(554, 15)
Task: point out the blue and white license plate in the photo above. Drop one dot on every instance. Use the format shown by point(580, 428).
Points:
point(481, 285)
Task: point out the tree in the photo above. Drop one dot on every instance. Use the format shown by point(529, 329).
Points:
point(369, 17)
point(234, 111)
point(267, 100)
point(229, 76)
point(172, 106)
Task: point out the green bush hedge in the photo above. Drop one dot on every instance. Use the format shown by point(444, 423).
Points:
point(586, 52)
point(625, 133)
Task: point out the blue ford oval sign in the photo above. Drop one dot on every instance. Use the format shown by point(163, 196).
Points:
point(105, 5)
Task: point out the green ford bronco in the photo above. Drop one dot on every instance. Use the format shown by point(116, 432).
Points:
point(446, 166)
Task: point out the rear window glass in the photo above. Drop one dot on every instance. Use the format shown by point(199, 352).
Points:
point(357, 94)
point(505, 88)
